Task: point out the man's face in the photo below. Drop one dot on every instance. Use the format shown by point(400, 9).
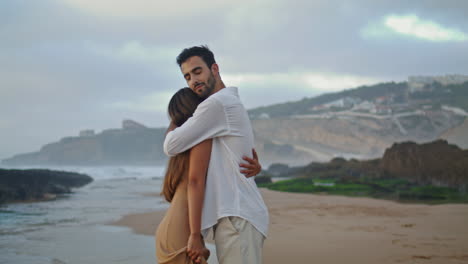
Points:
point(198, 76)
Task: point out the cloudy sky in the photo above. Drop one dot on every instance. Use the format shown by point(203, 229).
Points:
point(69, 65)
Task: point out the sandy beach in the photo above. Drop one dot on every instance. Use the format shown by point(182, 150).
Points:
point(309, 228)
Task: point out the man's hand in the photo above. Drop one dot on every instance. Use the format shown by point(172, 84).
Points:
point(251, 168)
point(196, 248)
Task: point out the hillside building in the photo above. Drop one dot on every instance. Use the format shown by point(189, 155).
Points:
point(87, 133)
point(130, 124)
point(419, 83)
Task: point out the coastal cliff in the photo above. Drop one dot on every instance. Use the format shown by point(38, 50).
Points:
point(131, 145)
point(362, 122)
point(359, 123)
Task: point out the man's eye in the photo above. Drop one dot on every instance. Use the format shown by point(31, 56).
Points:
point(187, 77)
point(197, 71)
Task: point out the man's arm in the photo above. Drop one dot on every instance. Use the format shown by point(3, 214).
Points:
point(208, 121)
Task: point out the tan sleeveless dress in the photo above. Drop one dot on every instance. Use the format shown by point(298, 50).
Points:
point(173, 232)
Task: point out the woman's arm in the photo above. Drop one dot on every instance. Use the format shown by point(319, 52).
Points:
point(199, 160)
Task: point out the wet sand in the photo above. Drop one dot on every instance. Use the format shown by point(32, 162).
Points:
point(309, 228)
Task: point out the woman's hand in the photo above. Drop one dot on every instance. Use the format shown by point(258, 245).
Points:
point(206, 253)
point(196, 248)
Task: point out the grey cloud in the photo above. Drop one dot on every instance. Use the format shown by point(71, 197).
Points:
point(54, 83)
point(326, 36)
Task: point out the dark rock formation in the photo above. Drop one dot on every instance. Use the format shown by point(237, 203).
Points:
point(263, 179)
point(277, 169)
point(37, 184)
point(436, 163)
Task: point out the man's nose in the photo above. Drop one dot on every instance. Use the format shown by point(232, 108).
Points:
point(193, 82)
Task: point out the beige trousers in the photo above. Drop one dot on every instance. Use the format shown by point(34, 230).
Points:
point(237, 241)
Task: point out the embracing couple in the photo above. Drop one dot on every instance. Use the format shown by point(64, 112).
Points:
point(209, 179)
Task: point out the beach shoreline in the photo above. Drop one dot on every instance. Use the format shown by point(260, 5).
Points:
point(311, 228)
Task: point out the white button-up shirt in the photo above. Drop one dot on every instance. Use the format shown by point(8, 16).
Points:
point(228, 192)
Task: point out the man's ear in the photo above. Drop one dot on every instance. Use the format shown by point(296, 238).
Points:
point(215, 68)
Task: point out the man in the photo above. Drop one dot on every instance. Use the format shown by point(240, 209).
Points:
point(232, 207)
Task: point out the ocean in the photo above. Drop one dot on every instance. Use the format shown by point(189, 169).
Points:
point(73, 228)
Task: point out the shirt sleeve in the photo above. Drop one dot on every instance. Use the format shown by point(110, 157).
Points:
point(208, 121)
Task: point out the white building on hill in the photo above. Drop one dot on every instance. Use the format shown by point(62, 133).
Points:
point(417, 83)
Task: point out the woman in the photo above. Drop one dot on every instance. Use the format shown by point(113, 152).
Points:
point(184, 188)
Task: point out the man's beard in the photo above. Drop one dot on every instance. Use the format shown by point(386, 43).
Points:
point(209, 87)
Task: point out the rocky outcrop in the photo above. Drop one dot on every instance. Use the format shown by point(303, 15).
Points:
point(277, 169)
point(38, 184)
point(436, 163)
point(262, 179)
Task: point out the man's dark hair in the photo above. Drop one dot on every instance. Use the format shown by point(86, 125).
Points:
point(201, 51)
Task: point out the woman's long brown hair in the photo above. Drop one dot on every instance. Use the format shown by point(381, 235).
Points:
point(181, 107)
